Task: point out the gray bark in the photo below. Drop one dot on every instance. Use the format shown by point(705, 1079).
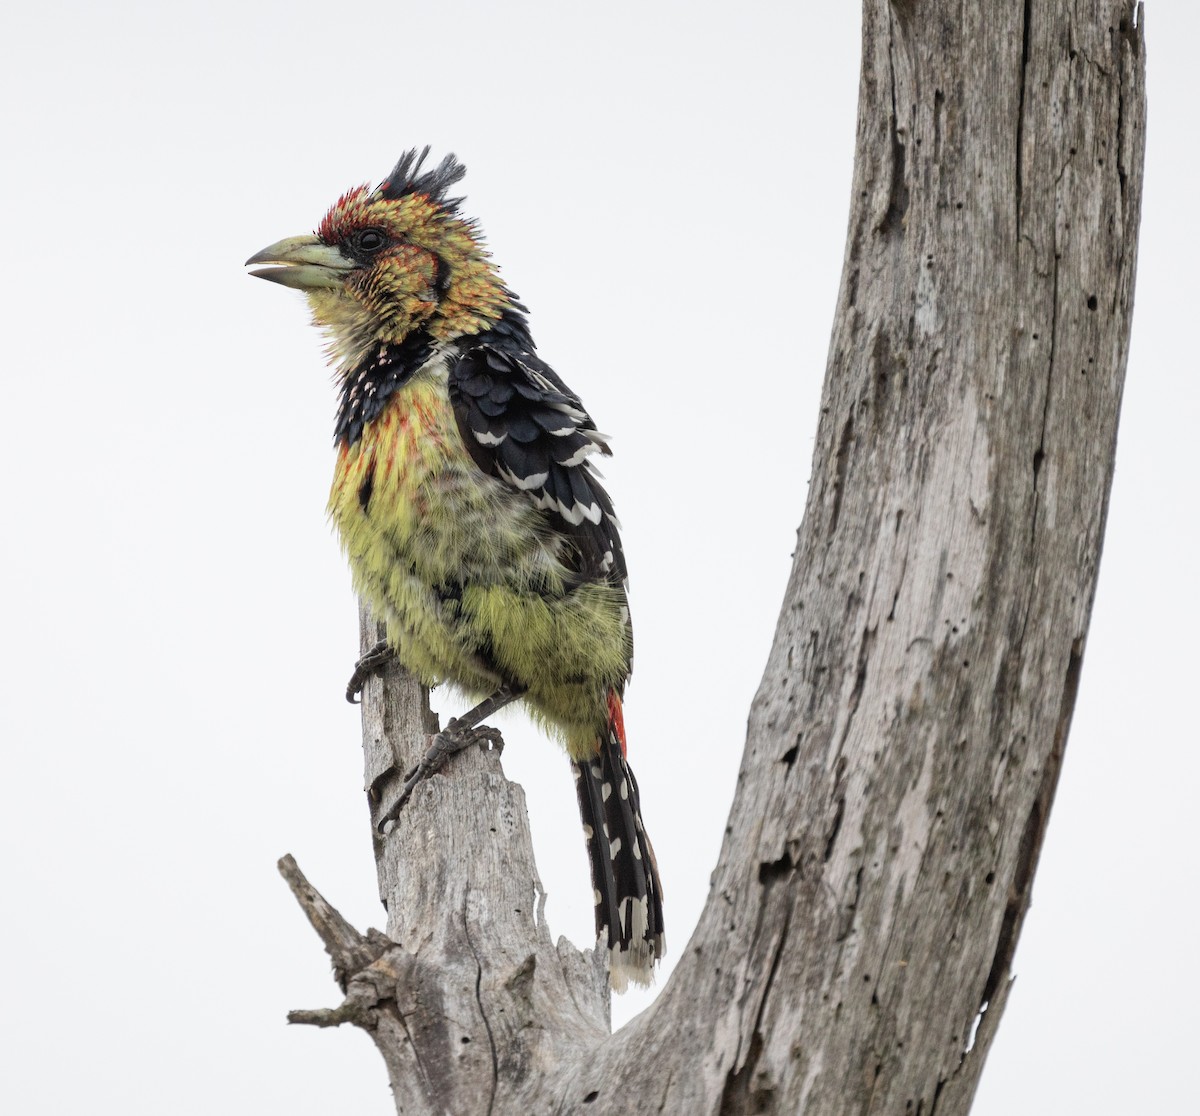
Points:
point(902, 754)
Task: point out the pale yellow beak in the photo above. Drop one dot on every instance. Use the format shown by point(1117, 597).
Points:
point(307, 263)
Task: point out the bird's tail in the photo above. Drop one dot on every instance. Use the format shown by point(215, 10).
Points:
point(625, 881)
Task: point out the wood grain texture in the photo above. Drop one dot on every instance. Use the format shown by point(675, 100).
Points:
point(904, 747)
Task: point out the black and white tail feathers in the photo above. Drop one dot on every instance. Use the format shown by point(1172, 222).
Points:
point(627, 891)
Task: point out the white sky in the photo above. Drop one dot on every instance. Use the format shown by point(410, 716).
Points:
point(666, 185)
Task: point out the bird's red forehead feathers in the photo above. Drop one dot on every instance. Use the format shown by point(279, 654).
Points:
point(344, 214)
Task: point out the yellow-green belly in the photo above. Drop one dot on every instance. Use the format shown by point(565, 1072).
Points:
point(468, 574)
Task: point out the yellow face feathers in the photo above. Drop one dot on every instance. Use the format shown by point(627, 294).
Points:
point(386, 263)
point(420, 263)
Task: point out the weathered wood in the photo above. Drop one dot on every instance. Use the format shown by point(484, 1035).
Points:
point(476, 1003)
point(904, 747)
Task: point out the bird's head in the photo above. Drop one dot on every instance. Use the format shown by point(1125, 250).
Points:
point(387, 262)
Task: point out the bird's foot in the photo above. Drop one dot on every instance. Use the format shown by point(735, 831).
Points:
point(369, 665)
point(442, 745)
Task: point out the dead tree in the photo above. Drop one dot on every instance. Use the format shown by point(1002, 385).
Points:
point(904, 746)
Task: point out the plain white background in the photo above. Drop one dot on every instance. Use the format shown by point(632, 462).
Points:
point(666, 185)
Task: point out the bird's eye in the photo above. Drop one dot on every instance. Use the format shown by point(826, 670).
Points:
point(368, 241)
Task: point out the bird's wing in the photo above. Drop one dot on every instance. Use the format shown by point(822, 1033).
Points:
point(522, 424)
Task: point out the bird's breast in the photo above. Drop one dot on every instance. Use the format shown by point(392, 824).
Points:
point(407, 496)
point(383, 482)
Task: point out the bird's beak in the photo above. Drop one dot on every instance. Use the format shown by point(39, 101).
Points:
point(307, 263)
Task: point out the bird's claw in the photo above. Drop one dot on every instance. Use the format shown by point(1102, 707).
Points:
point(369, 665)
point(488, 738)
point(442, 745)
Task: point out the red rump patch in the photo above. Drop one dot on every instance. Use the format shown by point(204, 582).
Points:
point(616, 718)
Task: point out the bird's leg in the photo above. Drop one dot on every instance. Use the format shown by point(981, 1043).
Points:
point(371, 663)
point(459, 734)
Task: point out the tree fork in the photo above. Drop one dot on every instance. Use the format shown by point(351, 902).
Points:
point(904, 747)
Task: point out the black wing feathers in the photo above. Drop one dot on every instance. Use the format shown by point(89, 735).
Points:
point(522, 424)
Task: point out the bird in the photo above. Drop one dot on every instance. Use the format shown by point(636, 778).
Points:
point(473, 519)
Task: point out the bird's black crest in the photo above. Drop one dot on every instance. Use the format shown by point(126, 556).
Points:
point(406, 178)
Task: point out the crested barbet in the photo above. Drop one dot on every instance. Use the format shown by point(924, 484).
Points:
point(467, 504)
